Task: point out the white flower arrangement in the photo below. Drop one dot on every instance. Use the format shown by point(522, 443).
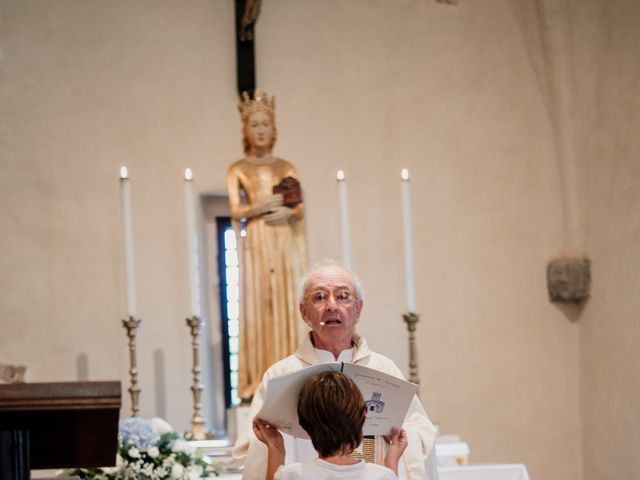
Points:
point(151, 450)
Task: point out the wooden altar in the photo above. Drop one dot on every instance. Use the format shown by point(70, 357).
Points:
point(57, 425)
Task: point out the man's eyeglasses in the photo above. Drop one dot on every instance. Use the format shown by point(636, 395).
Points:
point(341, 297)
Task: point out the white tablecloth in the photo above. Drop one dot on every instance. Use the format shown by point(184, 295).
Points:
point(502, 471)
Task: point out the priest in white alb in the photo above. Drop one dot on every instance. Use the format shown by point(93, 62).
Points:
point(331, 304)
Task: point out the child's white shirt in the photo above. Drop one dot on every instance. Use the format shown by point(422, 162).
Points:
point(322, 470)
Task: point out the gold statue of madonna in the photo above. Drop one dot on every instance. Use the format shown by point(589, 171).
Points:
point(273, 251)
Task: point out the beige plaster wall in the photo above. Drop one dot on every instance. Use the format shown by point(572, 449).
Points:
point(86, 87)
point(609, 327)
point(449, 92)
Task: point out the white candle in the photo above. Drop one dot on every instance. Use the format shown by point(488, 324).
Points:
point(408, 241)
point(192, 243)
point(344, 218)
point(127, 235)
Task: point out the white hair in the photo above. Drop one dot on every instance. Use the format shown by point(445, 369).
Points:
point(327, 262)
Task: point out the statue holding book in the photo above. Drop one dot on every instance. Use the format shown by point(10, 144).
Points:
point(266, 202)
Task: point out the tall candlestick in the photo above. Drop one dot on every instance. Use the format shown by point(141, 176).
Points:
point(192, 243)
point(344, 218)
point(132, 324)
point(127, 234)
point(198, 424)
point(408, 240)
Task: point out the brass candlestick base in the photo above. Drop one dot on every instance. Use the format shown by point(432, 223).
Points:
point(198, 428)
point(411, 319)
point(132, 324)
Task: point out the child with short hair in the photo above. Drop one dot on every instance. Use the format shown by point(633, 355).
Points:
point(332, 411)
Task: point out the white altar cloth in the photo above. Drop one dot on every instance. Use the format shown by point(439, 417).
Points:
point(502, 471)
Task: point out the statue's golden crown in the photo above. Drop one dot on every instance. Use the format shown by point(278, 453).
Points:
point(260, 103)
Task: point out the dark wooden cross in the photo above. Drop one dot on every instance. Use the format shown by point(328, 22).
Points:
point(247, 12)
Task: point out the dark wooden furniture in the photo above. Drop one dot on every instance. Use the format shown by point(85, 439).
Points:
point(57, 425)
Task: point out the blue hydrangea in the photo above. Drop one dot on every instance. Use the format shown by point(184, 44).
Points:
point(137, 431)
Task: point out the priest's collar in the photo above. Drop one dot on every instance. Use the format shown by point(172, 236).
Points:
point(325, 356)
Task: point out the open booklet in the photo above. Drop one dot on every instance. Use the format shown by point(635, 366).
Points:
point(387, 398)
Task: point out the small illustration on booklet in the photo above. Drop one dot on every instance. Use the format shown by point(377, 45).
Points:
point(375, 404)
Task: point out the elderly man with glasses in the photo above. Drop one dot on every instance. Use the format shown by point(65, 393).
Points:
point(331, 304)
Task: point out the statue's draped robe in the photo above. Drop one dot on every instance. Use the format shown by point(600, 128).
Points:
point(272, 260)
